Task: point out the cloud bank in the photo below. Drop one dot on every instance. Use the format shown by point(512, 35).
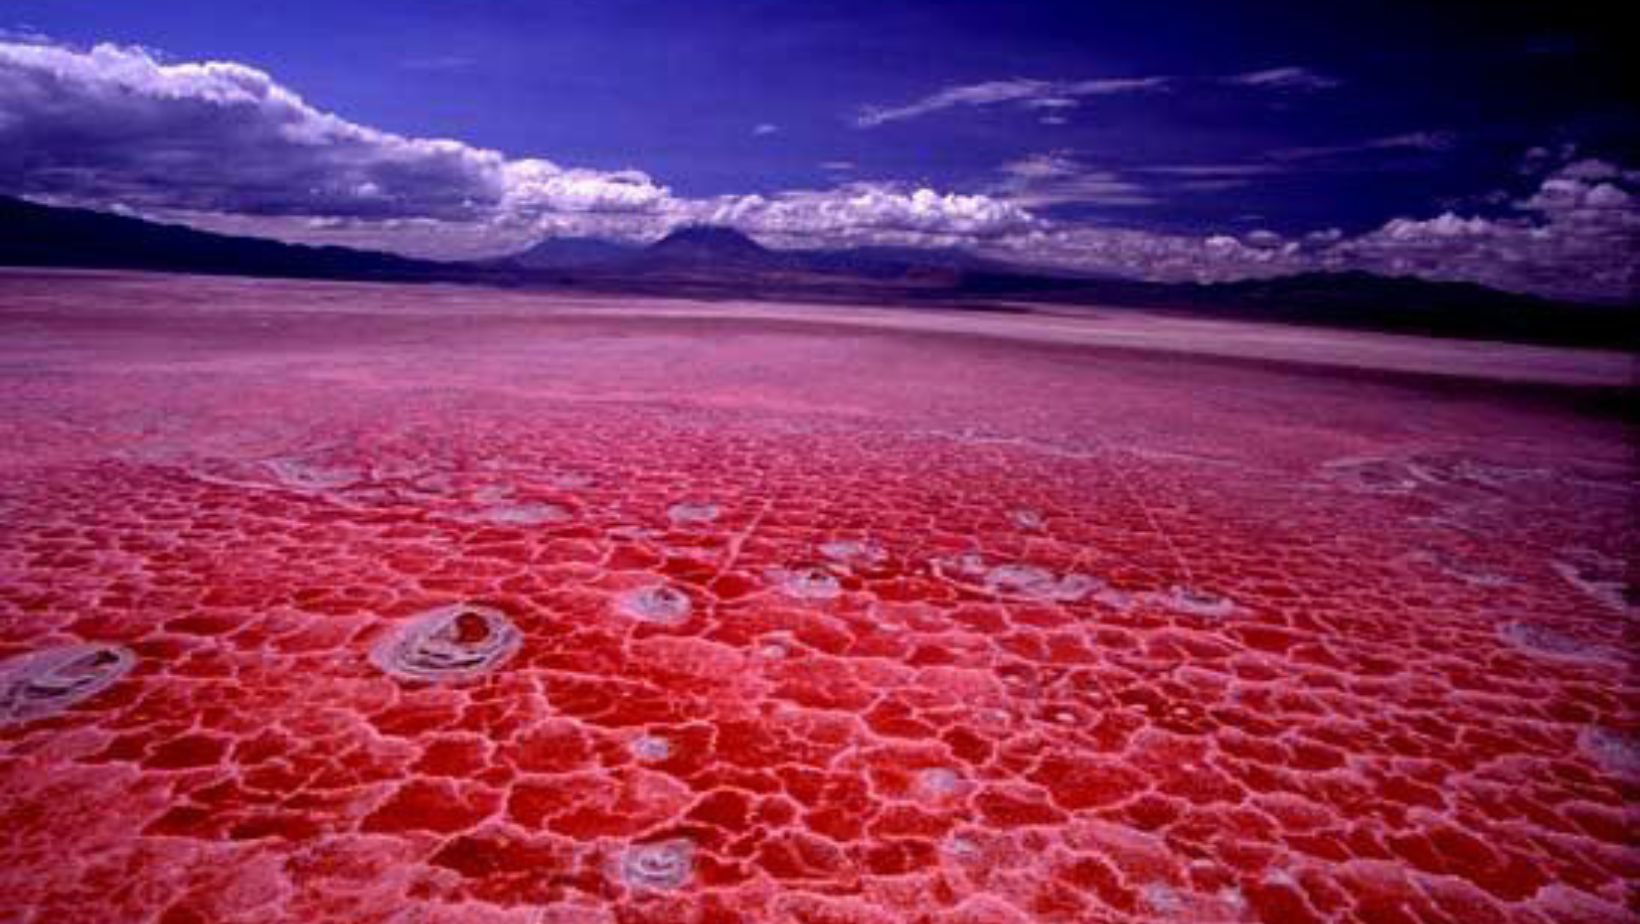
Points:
point(224, 146)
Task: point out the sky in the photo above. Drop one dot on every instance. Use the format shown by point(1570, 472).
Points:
point(1161, 140)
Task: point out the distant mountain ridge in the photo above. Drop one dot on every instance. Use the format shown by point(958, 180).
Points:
point(717, 262)
point(32, 234)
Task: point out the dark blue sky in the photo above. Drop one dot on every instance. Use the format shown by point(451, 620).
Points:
point(1180, 140)
point(675, 89)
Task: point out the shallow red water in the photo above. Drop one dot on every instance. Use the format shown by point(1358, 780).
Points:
point(809, 623)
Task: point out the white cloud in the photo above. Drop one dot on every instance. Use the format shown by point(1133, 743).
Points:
point(115, 124)
point(1042, 180)
point(223, 146)
point(1576, 237)
point(765, 128)
point(860, 212)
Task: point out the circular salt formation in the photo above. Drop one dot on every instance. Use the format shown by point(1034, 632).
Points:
point(659, 867)
point(1193, 602)
point(525, 514)
point(47, 682)
point(854, 551)
point(1616, 752)
point(809, 584)
point(649, 748)
point(1037, 584)
point(961, 848)
point(658, 603)
point(1372, 475)
point(451, 643)
point(1538, 639)
point(689, 512)
point(1025, 519)
point(939, 782)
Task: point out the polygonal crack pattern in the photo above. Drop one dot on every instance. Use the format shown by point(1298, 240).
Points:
point(557, 618)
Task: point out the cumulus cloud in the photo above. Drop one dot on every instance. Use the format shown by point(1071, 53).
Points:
point(114, 124)
point(1577, 236)
point(863, 212)
point(225, 147)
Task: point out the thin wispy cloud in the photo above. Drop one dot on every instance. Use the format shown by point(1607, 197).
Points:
point(1018, 91)
point(1410, 141)
point(1283, 78)
point(1212, 171)
point(765, 128)
point(1057, 96)
point(440, 64)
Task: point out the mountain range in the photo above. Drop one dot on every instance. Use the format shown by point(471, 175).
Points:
point(717, 262)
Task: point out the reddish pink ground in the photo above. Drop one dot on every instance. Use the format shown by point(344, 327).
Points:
point(1120, 636)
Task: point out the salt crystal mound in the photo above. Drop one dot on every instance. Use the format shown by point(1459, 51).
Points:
point(524, 514)
point(661, 604)
point(1028, 520)
point(1615, 751)
point(1603, 578)
point(310, 477)
point(657, 867)
point(1372, 475)
point(691, 513)
point(1037, 584)
point(854, 552)
point(449, 644)
point(1546, 641)
point(1021, 582)
point(47, 682)
point(807, 583)
point(651, 748)
point(1192, 601)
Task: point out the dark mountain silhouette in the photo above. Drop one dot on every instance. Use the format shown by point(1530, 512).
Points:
point(39, 235)
point(710, 246)
point(714, 262)
point(571, 253)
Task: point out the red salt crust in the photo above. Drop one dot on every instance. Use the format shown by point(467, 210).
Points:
point(1302, 647)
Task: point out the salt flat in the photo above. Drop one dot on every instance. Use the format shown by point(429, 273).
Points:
point(385, 603)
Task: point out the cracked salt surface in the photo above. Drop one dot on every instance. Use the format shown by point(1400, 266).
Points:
point(1234, 692)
